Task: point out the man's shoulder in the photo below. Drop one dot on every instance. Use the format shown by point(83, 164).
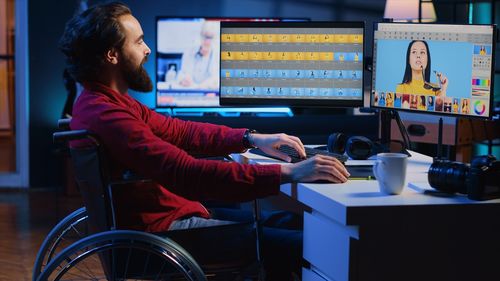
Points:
point(95, 106)
point(92, 101)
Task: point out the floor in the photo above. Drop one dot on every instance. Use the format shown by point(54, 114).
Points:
point(27, 216)
point(25, 219)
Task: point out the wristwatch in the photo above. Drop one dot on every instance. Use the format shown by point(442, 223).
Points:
point(246, 138)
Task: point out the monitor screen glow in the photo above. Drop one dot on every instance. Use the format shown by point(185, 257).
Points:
point(433, 68)
point(292, 64)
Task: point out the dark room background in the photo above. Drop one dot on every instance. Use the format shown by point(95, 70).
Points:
point(47, 93)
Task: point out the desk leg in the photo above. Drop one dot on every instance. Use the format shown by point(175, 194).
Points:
point(329, 247)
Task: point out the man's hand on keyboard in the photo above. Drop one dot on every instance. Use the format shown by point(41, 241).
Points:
point(269, 143)
point(317, 168)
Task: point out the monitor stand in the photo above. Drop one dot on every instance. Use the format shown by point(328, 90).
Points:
point(440, 139)
point(386, 115)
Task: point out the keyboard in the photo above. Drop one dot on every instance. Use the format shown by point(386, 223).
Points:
point(310, 152)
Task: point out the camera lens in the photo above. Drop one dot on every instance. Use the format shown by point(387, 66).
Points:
point(447, 176)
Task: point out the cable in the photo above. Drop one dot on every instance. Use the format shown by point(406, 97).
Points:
point(402, 130)
point(440, 138)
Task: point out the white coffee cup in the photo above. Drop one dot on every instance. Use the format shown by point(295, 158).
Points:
point(390, 171)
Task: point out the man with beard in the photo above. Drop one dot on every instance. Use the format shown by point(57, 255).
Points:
point(105, 51)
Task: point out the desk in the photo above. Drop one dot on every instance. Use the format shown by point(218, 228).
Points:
point(353, 232)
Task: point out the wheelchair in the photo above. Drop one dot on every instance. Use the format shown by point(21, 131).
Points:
point(86, 245)
point(69, 230)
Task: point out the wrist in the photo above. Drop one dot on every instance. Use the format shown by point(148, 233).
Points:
point(252, 136)
point(248, 138)
point(286, 174)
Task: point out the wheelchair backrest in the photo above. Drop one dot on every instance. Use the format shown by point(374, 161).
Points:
point(93, 180)
point(92, 177)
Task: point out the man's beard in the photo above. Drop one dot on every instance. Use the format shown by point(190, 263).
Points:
point(137, 78)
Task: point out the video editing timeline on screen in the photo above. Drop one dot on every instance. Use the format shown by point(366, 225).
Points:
point(462, 54)
point(292, 63)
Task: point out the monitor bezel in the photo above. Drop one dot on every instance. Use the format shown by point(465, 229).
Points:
point(220, 19)
point(303, 103)
point(492, 93)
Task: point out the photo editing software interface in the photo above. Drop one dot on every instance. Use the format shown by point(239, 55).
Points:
point(434, 68)
point(187, 60)
point(296, 63)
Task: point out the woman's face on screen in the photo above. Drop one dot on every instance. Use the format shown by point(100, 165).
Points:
point(418, 56)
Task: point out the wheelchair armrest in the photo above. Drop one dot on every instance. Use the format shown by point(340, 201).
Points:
point(63, 123)
point(64, 136)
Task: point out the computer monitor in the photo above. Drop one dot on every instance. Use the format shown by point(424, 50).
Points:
point(187, 60)
point(292, 63)
point(434, 68)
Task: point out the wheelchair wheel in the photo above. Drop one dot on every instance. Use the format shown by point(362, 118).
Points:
point(69, 230)
point(123, 255)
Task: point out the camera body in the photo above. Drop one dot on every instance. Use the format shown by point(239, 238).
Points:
point(480, 180)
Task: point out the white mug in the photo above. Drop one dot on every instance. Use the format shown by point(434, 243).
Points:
point(390, 171)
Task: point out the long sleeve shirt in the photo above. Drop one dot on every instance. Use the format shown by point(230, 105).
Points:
point(159, 148)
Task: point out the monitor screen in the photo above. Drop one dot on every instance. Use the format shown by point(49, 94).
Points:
point(433, 68)
point(187, 61)
point(292, 63)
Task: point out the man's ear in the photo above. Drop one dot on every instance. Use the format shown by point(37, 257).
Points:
point(112, 56)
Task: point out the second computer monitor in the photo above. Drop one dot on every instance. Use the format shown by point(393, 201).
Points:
point(292, 64)
point(187, 60)
point(434, 68)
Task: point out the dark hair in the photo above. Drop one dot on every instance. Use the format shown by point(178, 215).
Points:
point(427, 74)
point(88, 36)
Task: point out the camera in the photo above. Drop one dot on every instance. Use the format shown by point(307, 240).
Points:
point(479, 180)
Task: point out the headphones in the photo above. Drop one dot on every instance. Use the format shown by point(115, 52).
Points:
point(356, 147)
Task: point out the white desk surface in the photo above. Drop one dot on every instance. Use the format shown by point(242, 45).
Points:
point(354, 232)
point(338, 200)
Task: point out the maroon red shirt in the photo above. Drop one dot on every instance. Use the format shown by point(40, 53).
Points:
point(160, 148)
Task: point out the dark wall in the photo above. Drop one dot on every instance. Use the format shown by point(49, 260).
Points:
point(46, 91)
point(46, 23)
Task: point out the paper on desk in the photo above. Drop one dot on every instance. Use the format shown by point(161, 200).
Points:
point(250, 158)
point(351, 162)
point(420, 186)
